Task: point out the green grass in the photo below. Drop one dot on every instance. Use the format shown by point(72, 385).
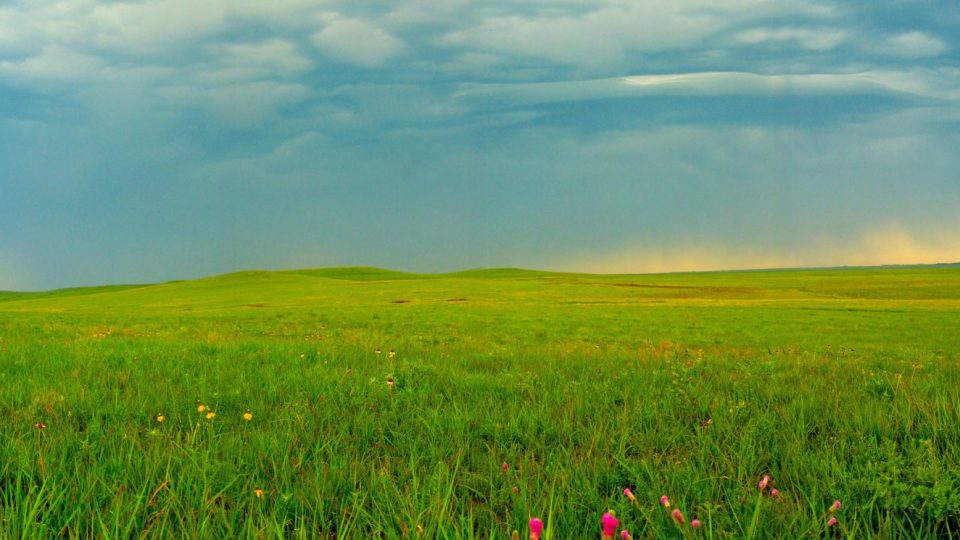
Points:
point(840, 384)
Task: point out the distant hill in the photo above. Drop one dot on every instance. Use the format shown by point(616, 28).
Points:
point(365, 287)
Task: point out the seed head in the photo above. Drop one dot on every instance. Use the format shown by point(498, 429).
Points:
point(678, 516)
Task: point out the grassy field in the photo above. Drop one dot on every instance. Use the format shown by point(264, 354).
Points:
point(840, 385)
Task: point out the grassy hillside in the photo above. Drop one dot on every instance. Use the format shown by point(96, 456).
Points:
point(839, 384)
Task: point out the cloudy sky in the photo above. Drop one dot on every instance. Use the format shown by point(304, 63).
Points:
point(166, 139)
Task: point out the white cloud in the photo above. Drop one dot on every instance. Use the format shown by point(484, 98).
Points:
point(357, 42)
point(604, 35)
point(153, 24)
point(9, 32)
point(914, 45)
point(929, 83)
point(428, 11)
point(53, 63)
point(241, 105)
point(815, 39)
point(271, 59)
point(601, 37)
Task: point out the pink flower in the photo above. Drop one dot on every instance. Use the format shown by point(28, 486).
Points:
point(625, 535)
point(678, 516)
point(832, 521)
point(835, 506)
point(696, 524)
point(665, 501)
point(536, 527)
point(764, 482)
point(505, 467)
point(610, 523)
point(774, 492)
point(629, 494)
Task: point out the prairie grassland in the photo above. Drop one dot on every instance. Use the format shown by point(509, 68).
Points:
point(839, 385)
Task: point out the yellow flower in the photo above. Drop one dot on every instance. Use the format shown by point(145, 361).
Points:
point(161, 418)
point(248, 416)
point(211, 415)
point(258, 493)
point(201, 407)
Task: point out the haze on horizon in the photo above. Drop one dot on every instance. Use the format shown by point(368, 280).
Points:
point(152, 140)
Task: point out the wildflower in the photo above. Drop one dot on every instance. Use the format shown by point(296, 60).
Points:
point(835, 506)
point(211, 415)
point(629, 494)
point(247, 415)
point(378, 351)
point(390, 382)
point(258, 493)
point(678, 516)
point(625, 535)
point(774, 492)
point(201, 407)
point(764, 482)
point(536, 527)
point(695, 524)
point(665, 501)
point(610, 523)
point(40, 425)
point(505, 467)
point(392, 353)
point(832, 521)
point(160, 418)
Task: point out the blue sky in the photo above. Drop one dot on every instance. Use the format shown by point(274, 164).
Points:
point(155, 140)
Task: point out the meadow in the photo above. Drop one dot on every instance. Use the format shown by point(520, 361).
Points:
point(391, 405)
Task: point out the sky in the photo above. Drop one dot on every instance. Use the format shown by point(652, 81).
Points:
point(154, 140)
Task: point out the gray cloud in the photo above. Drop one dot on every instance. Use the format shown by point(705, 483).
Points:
point(165, 140)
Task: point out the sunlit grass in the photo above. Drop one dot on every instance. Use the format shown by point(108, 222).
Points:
point(696, 387)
